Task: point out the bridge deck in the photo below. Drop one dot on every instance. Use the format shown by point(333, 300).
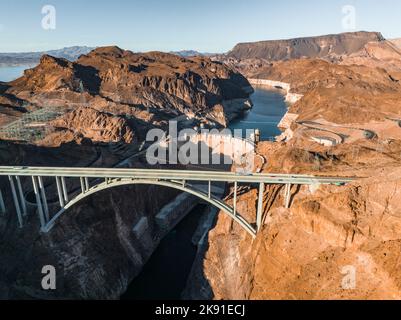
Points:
point(170, 175)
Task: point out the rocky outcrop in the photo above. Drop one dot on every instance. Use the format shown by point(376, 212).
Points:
point(96, 126)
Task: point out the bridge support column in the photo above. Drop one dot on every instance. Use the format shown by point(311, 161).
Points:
point(209, 190)
point(235, 198)
point(287, 195)
point(44, 198)
point(86, 184)
point(64, 188)
point(39, 203)
point(16, 203)
point(2, 205)
point(83, 188)
point(60, 192)
point(259, 212)
point(21, 195)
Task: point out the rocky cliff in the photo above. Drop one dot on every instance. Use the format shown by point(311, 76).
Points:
point(327, 47)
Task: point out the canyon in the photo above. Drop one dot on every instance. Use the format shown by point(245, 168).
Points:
point(343, 119)
point(96, 112)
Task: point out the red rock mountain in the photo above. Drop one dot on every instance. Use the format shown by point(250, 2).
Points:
point(143, 89)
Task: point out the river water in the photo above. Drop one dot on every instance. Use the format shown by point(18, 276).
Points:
point(165, 275)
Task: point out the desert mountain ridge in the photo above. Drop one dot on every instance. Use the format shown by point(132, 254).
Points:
point(192, 53)
point(326, 46)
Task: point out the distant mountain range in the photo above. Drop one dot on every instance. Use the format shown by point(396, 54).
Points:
point(23, 58)
point(192, 53)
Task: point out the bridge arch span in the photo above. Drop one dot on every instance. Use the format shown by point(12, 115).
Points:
point(178, 185)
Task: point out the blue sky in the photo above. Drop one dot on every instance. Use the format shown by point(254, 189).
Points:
point(204, 25)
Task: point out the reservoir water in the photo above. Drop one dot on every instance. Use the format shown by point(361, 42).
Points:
point(9, 73)
point(268, 110)
point(166, 273)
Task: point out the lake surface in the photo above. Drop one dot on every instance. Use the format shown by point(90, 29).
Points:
point(268, 110)
point(12, 72)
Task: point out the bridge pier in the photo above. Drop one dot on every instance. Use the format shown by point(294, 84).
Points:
point(21, 195)
point(83, 189)
point(2, 205)
point(85, 184)
point(235, 198)
point(44, 198)
point(86, 180)
point(259, 212)
point(64, 188)
point(60, 193)
point(287, 195)
point(39, 203)
point(16, 202)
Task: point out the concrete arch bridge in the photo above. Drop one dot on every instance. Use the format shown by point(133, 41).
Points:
point(93, 180)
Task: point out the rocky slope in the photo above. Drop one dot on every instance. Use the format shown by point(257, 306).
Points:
point(96, 126)
point(328, 47)
point(396, 42)
point(383, 54)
